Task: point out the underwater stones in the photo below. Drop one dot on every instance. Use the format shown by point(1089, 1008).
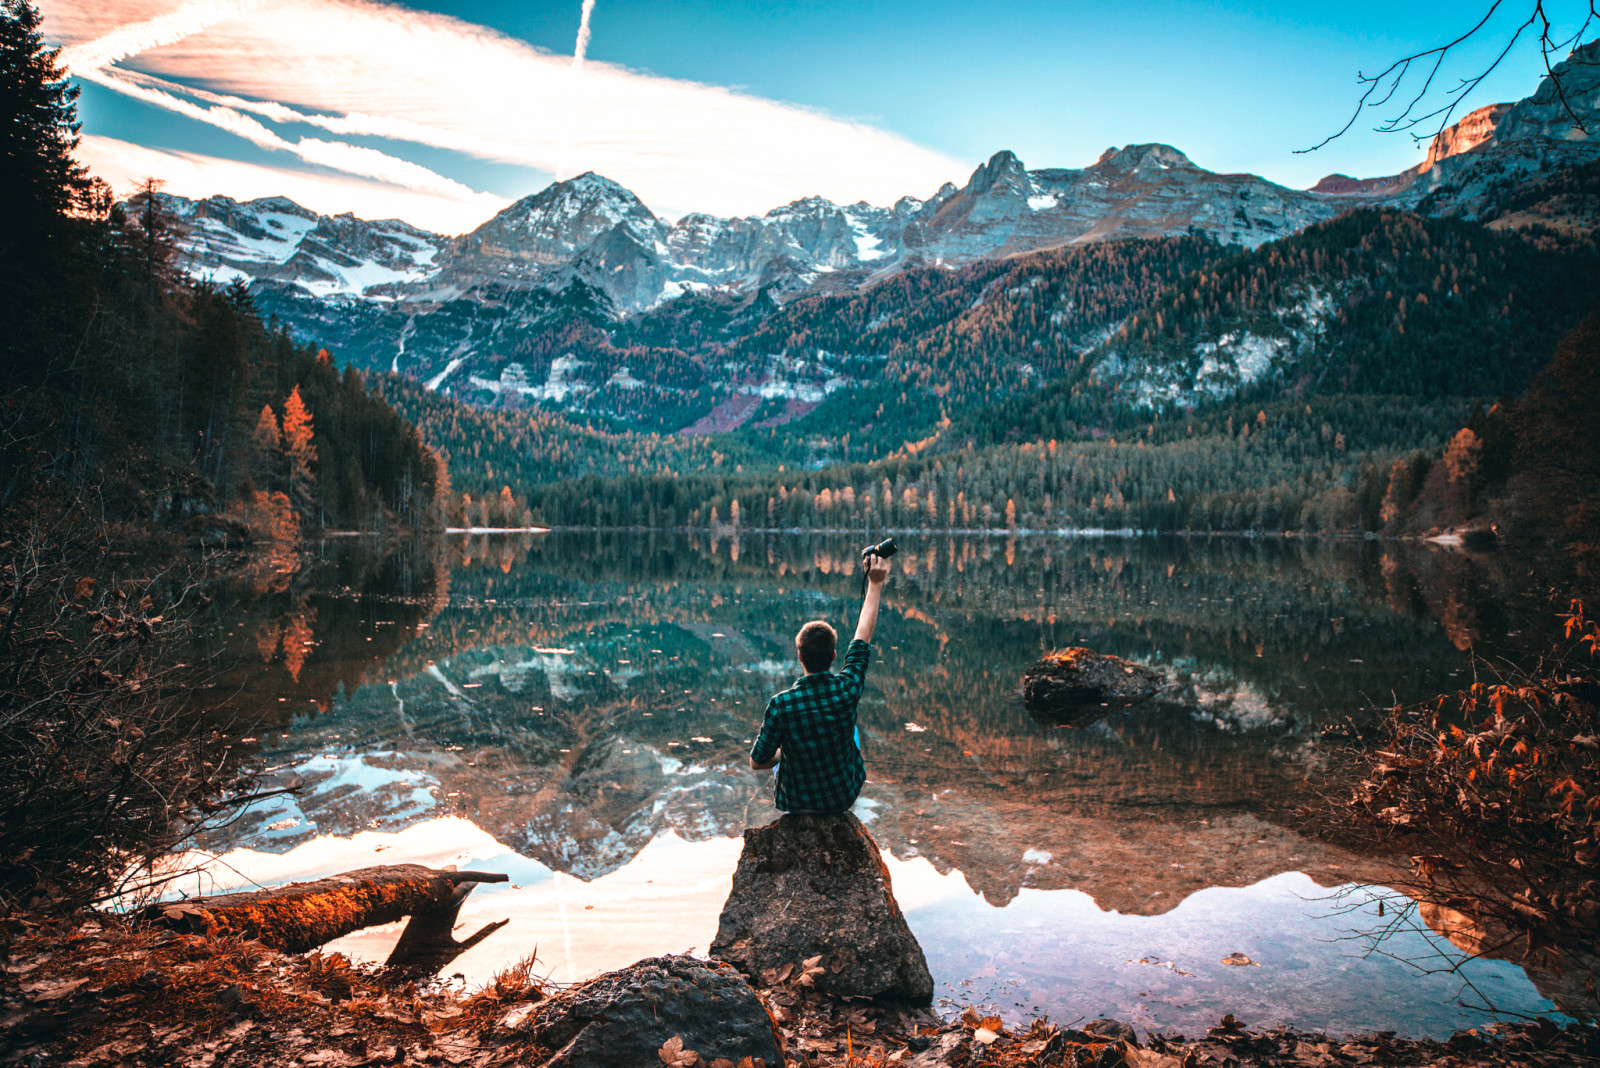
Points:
point(1074, 686)
point(815, 887)
point(626, 1017)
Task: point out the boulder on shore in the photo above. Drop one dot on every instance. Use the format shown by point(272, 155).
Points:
point(1073, 686)
point(627, 1017)
point(815, 887)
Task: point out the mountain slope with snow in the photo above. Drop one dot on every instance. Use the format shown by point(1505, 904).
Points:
point(580, 297)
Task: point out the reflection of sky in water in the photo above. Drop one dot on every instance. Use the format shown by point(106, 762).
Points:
point(591, 707)
point(1053, 951)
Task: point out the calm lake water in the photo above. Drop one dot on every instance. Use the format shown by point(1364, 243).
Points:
point(574, 709)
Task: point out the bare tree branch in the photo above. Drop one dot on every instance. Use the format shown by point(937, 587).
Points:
point(1417, 113)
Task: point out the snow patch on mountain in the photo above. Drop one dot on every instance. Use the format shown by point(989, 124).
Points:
point(449, 369)
point(559, 384)
point(1219, 367)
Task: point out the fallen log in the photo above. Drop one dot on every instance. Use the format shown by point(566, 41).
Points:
point(301, 916)
point(1074, 686)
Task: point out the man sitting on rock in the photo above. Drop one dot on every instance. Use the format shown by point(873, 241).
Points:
point(811, 727)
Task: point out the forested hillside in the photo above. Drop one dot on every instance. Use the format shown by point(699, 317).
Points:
point(133, 394)
point(930, 343)
point(488, 448)
point(1372, 303)
point(1150, 384)
point(1322, 466)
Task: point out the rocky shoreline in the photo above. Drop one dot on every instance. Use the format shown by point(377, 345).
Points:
point(817, 968)
point(88, 991)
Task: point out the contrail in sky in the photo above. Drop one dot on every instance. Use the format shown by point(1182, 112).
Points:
point(579, 51)
point(130, 39)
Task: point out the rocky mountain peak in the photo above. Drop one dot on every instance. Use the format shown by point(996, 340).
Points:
point(1003, 173)
point(548, 230)
point(1545, 115)
point(804, 207)
point(1150, 156)
point(590, 196)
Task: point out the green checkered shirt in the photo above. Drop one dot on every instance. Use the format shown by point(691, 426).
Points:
point(814, 723)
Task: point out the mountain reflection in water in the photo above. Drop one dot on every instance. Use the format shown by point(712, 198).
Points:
point(578, 708)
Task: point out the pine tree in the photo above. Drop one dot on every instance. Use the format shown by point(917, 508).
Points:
point(266, 446)
point(41, 183)
point(41, 188)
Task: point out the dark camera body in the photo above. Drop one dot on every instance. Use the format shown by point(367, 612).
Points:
point(885, 548)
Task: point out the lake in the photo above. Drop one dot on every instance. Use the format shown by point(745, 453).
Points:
point(574, 709)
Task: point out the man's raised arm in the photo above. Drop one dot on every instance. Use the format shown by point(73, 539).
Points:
point(877, 574)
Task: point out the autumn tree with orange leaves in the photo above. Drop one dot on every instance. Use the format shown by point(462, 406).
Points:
point(300, 452)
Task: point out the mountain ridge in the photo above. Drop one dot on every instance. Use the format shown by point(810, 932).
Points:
point(579, 297)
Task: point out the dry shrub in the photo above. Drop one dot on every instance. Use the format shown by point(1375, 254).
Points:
point(509, 985)
point(1494, 792)
point(102, 769)
point(268, 517)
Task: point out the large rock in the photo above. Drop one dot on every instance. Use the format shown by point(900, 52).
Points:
point(623, 1019)
point(1077, 685)
point(814, 886)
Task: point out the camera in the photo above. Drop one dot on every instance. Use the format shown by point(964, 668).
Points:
point(885, 548)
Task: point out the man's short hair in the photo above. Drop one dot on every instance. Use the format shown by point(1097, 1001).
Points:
point(816, 642)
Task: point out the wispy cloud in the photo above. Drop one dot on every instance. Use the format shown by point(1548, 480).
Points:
point(125, 165)
point(360, 68)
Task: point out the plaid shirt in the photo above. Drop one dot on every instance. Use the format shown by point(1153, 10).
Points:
point(814, 723)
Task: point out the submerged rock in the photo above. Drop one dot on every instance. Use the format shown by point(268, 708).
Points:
point(1076, 685)
point(815, 887)
point(628, 1016)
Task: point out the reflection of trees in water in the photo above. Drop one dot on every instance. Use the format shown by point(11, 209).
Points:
point(315, 630)
point(1264, 633)
point(1492, 791)
point(1289, 617)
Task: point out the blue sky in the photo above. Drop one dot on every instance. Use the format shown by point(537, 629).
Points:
point(442, 111)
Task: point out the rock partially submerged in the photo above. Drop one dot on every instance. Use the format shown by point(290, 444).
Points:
point(812, 898)
point(1073, 686)
point(629, 1016)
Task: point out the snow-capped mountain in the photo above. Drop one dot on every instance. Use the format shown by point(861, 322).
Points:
point(275, 239)
point(1138, 191)
point(473, 314)
point(593, 229)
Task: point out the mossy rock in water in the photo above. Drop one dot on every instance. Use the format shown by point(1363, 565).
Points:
point(1071, 687)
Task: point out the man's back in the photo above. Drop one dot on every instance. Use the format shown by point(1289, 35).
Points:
point(813, 722)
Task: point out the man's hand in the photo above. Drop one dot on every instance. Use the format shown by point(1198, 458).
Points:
point(877, 574)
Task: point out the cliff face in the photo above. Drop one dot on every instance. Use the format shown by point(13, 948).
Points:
point(1465, 135)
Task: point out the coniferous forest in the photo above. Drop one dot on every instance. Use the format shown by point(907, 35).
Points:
point(1018, 394)
point(136, 394)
